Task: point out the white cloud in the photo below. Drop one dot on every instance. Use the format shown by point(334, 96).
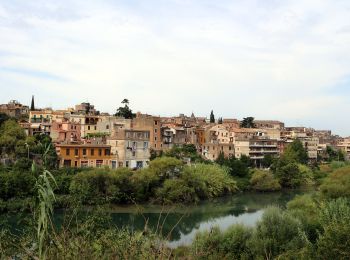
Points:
point(239, 59)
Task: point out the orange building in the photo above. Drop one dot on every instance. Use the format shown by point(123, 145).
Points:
point(84, 155)
point(152, 124)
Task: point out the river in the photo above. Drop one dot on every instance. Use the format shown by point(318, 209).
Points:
point(179, 224)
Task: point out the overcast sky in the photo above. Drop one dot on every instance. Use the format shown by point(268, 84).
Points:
point(284, 60)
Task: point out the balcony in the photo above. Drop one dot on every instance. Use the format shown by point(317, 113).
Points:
point(262, 145)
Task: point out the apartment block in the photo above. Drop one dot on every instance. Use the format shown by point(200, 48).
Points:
point(84, 155)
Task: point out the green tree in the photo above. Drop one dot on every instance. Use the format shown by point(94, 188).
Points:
point(3, 117)
point(248, 122)
point(125, 111)
point(10, 135)
point(295, 152)
point(289, 175)
point(276, 233)
point(212, 117)
point(337, 184)
point(264, 181)
point(334, 241)
point(220, 120)
point(221, 160)
point(267, 161)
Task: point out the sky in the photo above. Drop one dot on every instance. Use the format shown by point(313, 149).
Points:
point(280, 60)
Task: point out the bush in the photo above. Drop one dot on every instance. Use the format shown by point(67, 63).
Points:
point(209, 180)
point(102, 186)
point(176, 190)
point(334, 242)
point(199, 181)
point(277, 232)
point(166, 166)
point(264, 181)
point(305, 208)
point(293, 175)
point(16, 185)
point(230, 244)
point(337, 184)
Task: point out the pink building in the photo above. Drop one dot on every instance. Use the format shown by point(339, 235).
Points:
point(65, 132)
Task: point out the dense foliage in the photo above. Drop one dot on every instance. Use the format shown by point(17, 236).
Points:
point(264, 181)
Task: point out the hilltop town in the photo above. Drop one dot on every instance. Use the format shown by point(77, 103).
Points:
point(86, 137)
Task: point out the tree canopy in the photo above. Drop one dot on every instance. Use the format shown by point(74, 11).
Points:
point(125, 111)
point(295, 152)
point(248, 122)
point(212, 117)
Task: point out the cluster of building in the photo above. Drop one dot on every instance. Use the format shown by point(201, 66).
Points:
point(84, 137)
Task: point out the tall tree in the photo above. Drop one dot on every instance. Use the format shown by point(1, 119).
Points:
point(212, 117)
point(295, 152)
point(32, 106)
point(125, 111)
point(248, 122)
point(220, 120)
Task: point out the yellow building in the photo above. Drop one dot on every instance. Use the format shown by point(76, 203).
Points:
point(84, 155)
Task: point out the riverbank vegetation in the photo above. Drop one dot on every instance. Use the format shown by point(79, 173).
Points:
point(169, 178)
point(312, 226)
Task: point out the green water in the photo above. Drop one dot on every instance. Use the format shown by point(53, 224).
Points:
point(179, 224)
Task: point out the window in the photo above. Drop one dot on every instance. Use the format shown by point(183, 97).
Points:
point(88, 127)
point(67, 163)
point(75, 163)
point(99, 163)
point(107, 152)
point(127, 164)
point(76, 152)
point(133, 153)
point(84, 151)
point(84, 164)
point(156, 122)
point(92, 152)
point(120, 164)
point(139, 164)
point(145, 145)
point(67, 151)
point(155, 138)
point(114, 164)
point(95, 127)
point(155, 145)
point(107, 126)
point(99, 152)
point(155, 130)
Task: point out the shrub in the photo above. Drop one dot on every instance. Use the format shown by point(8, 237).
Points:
point(176, 190)
point(102, 186)
point(166, 166)
point(277, 232)
point(337, 184)
point(210, 180)
point(334, 242)
point(305, 208)
point(264, 181)
point(199, 181)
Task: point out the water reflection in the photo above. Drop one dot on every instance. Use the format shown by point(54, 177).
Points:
point(180, 224)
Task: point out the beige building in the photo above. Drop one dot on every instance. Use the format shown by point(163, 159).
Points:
point(130, 148)
point(344, 146)
point(151, 124)
point(14, 109)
